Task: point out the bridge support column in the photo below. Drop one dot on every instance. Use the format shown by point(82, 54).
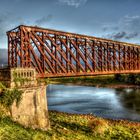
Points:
point(32, 110)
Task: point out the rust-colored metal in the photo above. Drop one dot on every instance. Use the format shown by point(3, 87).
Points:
point(56, 53)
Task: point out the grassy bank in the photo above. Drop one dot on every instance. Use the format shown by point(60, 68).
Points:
point(65, 126)
point(101, 81)
point(72, 127)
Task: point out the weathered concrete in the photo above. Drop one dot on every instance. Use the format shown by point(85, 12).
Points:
point(32, 110)
point(18, 77)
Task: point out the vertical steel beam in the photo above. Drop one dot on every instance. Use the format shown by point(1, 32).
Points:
point(133, 58)
point(108, 57)
point(43, 56)
point(21, 46)
point(85, 55)
point(56, 68)
point(70, 55)
point(101, 56)
point(124, 57)
point(119, 54)
point(61, 46)
point(77, 56)
point(104, 57)
point(9, 48)
point(114, 58)
point(129, 58)
point(93, 56)
point(67, 62)
point(15, 64)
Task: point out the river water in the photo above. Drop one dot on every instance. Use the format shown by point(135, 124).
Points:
point(102, 102)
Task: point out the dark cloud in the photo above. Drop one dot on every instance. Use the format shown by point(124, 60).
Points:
point(44, 19)
point(108, 28)
point(121, 35)
point(132, 35)
point(126, 29)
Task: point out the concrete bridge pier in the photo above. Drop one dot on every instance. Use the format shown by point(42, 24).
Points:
point(32, 110)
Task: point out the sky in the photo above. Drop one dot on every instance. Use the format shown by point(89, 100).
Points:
point(112, 19)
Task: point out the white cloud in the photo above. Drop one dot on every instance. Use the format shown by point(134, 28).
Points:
point(74, 3)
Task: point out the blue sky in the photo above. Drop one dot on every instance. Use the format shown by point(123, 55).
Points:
point(113, 19)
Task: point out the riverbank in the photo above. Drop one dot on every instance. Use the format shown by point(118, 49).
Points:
point(112, 85)
point(66, 126)
point(109, 81)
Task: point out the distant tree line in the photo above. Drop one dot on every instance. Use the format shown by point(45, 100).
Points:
point(130, 78)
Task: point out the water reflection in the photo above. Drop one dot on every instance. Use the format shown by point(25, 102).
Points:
point(130, 99)
point(104, 102)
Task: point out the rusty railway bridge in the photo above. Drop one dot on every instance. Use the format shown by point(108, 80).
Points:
point(56, 53)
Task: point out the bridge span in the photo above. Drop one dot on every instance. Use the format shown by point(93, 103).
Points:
point(56, 53)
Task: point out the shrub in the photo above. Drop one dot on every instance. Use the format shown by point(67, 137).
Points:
point(137, 79)
point(98, 125)
point(9, 96)
point(133, 78)
point(118, 77)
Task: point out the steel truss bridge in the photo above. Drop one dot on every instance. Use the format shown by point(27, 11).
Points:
point(56, 53)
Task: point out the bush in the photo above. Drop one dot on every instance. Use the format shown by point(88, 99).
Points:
point(133, 79)
point(98, 125)
point(118, 77)
point(8, 97)
point(137, 79)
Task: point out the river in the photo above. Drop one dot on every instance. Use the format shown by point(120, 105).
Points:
point(110, 103)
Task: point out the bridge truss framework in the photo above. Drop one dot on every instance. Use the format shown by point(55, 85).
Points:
point(56, 53)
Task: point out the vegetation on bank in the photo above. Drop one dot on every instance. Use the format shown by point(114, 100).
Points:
point(102, 80)
point(130, 78)
point(9, 96)
point(72, 127)
point(65, 126)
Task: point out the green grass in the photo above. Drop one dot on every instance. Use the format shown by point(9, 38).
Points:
point(72, 127)
point(65, 126)
point(100, 81)
point(89, 80)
